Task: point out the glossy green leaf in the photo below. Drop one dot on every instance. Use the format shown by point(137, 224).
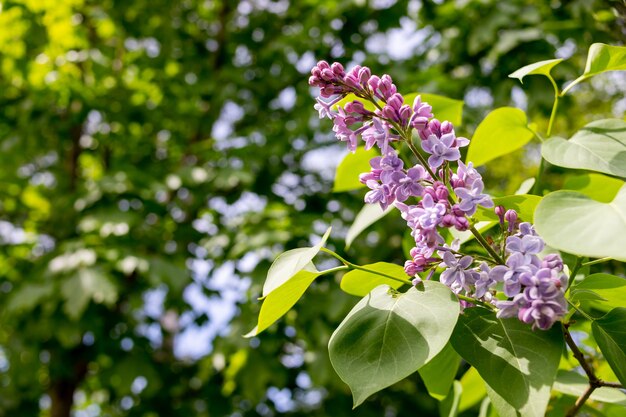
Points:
point(369, 214)
point(289, 263)
point(501, 132)
point(596, 186)
point(388, 335)
point(610, 288)
point(449, 407)
point(610, 334)
point(524, 204)
point(517, 363)
point(473, 389)
point(438, 374)
point(538, 68)
point(525, 186)
point(280, 300)
point(599, 146)
point(360, 283)
point(575, 384)
point(602, 58)
point(574, 223)
point(347, 176)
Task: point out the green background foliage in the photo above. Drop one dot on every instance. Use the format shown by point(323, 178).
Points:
point(157, 155)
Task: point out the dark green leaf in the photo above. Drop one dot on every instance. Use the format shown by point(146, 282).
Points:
point(610, 334)
point(517, 363)
point(449, 407)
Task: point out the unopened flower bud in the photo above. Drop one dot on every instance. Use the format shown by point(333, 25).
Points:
point(446, 127)
point(511, 217)
point(500, 213)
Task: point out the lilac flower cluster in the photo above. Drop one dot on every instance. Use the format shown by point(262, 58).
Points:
point(432, 195)
point(536, 288)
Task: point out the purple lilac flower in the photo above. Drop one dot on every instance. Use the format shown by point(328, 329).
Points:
point(409, 184)
point(440, 149)
point(376, 134)
point(465, 175)
point(526, 228)
point(473, 197)
point(516, 265)
point(380, 193)
point(527, 245)
point(430, 214)
point(484, 281)
point(422, 112)
point(457, 276)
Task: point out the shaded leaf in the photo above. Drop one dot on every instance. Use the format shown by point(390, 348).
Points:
point(517, 363)
point(596, 186)
point(438, 374)
point(610, 334)
point(575, 384)
point(449, 407)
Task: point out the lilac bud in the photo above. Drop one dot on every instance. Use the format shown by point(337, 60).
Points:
point(355, 107)
point(405, 113)
point(337, 68)
point(500, 213)
point(410, 268)
point(435, 127)
point(442, 193)
point(395, 101)
point(511, 217)
point(552, 261)
point(462, 224)
point(448, 220)
point(364, 75)
point(390, 113)
point(446, 127)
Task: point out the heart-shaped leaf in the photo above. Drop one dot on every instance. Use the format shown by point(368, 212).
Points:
point(538, 68)
point(348, 170)
point(360, 283)
point(289, 263)
point(574, 223)
point(517, 363)
point(388, 335)
point(610, 334)
point(601, 58)
point(280, 300)
point(369, 214)
point(501, 132)
point(599, 146)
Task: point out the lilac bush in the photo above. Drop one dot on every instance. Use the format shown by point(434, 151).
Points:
point(439, 192)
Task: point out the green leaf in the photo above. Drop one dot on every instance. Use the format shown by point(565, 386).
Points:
point(596, 186)
point(575, 384)
point(599, 146)
point(525, 186)
point(86, 285)
point(473, 389)
point(388, 335)
point(369, 214)
point(524, 204)
point(444, 108)
point(574, 223)
point(28, 296)
point(280, 300)
point(602, 58)
point(289, 263)
point(449, 407)
point(347, 176)
point(610, 288)
point(501, 132)
point(610, 334)
point(360, 283)
point(438, 374)
point(538, 68)
point(517, 363)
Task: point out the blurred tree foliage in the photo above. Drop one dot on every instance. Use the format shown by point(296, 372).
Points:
point(160, 152)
